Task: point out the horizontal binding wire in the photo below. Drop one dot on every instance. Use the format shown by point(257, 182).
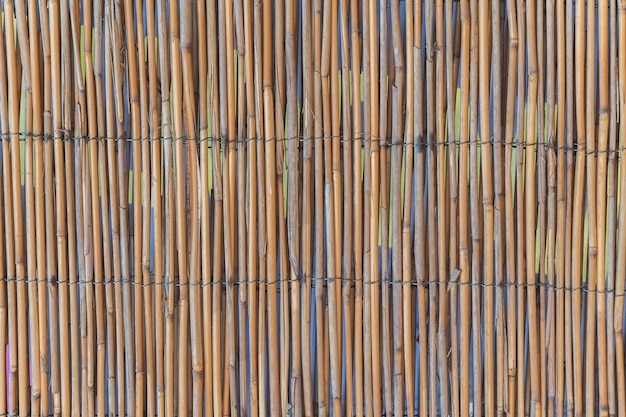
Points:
point(364, 138)
point(324, 280)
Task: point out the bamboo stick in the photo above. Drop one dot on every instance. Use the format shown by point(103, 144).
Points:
point(6, 250)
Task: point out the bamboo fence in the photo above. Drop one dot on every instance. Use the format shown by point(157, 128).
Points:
point(312, 207)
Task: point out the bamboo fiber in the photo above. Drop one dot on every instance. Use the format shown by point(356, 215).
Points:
point(312, 207)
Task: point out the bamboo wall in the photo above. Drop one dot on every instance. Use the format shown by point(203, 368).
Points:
point(312, 207)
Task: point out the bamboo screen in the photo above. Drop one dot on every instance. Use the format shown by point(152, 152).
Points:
point(311, 207)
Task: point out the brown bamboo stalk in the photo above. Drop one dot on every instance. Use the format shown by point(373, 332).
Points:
point(601, 189)
point(347, 258)
point(509, 196)
point(488, 209)
point(499, 84)
point(409, 140)
point(561, 203)
point(307, 206)
point(271, 213)
point(451, 90)
point(367, 340)
point(155, 358)
point(569, 176)
point(136, 340)
point(592, 304)
point(177, 47)
point(520, 213)
point(6, 258)
point(577, 213)
point(39, 130)
point(262, 235)
point(396, 211)
point(205, 84)
point(333, 317)
point(229, 133)
point(374, 158)
point(475, 207)
point(241, 207)
point(620, 269)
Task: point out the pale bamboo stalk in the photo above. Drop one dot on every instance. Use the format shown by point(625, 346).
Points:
point(367, 135)
point(17, 387)
point(612, 208)
point(80, 239)
point(529, 192)
point(34, 126)
point(192, 168)
point(293, 191)
point(252, 248)
point(549, 402)
point(540, 224)
point(620, 268)
point(464, 255)
point(113, 112)
point(61, 249)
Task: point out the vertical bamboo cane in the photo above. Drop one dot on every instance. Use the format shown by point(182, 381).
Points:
point(6, 254)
